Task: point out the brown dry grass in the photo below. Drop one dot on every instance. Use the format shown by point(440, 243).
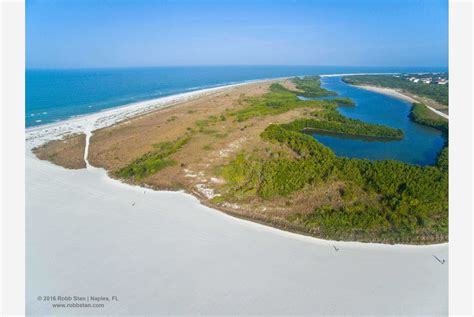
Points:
point(216, 138)
point(68, 152)
point(288, 83)
point(211, 146)
point(428, 102)
point(116, 146)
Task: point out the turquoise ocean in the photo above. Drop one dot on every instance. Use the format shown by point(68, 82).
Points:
point(59, 94)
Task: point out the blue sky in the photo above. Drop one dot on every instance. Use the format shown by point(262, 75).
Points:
point(125, 33)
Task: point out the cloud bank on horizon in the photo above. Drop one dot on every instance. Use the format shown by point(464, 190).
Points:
point(126, 33)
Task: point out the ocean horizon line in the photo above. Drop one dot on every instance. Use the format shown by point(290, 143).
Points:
point(224, 65)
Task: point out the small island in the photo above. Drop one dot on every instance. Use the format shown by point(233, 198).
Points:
point(246, 151)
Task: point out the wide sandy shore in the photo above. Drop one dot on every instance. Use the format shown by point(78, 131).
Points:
point(165, 253)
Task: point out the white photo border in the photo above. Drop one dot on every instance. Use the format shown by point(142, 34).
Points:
point(12, 158)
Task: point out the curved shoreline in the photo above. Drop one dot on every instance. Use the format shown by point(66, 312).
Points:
point(88, 123)
point(169, 239)
point(40, 134)
point(184, 94)
point(396, 94)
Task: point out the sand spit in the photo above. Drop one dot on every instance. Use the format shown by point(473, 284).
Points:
point(163, 252)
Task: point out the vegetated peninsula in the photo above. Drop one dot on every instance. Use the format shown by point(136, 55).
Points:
point(245, 151)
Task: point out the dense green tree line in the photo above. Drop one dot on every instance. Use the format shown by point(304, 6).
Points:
point(352, 127)
point(406, 200)
point(422, 115)
point(326, 119)
point(385, 200)
point(443, 159)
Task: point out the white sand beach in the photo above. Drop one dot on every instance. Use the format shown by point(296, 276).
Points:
point(165, 253)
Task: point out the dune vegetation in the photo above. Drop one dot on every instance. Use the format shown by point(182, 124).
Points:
point(328, 119)
point(399, 203)
point(310, 87)
point(383, 200)
point(324, 118)
point(153, 161)
point(254, 158)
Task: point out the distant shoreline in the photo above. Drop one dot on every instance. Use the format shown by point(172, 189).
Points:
point(396, 94)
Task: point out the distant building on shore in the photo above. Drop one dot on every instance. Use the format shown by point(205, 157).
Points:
point(427, 78)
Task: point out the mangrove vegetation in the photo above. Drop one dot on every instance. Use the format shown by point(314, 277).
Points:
point(421, 114)
point(386, 200)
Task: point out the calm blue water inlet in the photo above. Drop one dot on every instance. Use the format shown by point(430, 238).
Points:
point(420, 145)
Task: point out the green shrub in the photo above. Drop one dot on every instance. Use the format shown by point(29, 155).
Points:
point(406, 199)
point(344, 101)
point(351, 127)
point(281, 99)
point(311, 87)
point(154, 161)
point(422, 115)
